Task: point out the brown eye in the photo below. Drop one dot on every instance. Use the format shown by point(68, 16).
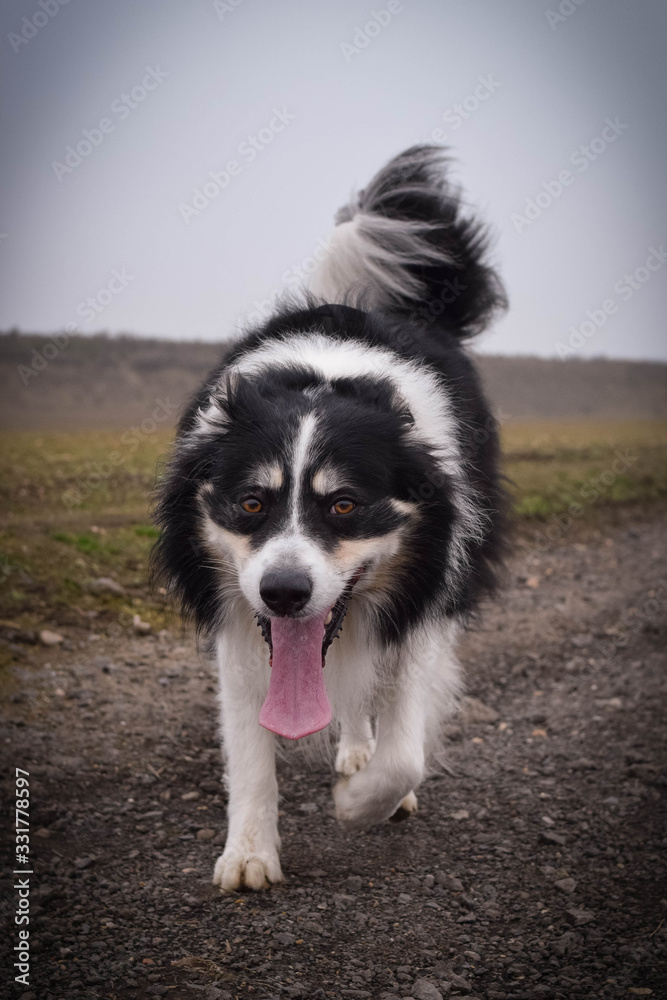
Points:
point(343, 506)
point(251, 505)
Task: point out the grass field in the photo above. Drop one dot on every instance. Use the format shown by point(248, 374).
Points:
point(75, 507)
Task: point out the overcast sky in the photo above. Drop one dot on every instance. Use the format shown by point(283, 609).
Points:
point(306, 100)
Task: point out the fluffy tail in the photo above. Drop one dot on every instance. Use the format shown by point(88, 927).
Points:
point(405, 246)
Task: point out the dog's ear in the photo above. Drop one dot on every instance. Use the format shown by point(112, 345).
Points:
point(214, 413)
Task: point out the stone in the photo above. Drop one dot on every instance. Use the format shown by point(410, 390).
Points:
point(449, 882)
point(567, 885)
point(578, 916)
point(549, 837)
point(424, 990)
point(459, 815)
point(285, 939)
point(474, 710)
point(49, 638)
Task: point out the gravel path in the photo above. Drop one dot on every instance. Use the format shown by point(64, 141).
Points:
point(535, 867)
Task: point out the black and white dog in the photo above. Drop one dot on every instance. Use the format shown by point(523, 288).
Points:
point(335, 482)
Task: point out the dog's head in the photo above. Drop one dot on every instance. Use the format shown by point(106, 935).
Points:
point(304, 494)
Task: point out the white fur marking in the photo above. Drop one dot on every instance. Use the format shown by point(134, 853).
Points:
point(369, 261)
point(268, 476)
point(327, 479)
point(301, 453)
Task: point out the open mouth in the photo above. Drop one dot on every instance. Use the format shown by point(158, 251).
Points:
point(332, 623)
point(297, 704)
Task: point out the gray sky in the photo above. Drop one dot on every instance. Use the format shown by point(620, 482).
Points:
point(328, 104)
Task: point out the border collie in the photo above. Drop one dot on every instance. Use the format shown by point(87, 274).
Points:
point(332, 511)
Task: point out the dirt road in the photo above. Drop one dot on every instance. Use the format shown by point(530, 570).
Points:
point(534, 868)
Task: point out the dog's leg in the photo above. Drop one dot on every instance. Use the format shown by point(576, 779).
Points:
point(394, 770)
point(356, 745)
point(424, 691)
point(250, 858)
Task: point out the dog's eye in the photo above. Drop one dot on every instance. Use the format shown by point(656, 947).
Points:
point(344, 506)
point(252, 505)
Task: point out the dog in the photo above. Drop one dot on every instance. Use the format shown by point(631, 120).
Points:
point(333, 510)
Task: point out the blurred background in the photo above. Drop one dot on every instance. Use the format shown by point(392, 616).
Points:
point(309, 100)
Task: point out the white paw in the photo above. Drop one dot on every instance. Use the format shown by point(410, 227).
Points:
point(352, 758)
point(369, 797)
point(239, 868)
point(406, 808)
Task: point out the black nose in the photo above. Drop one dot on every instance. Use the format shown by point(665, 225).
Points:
point(285, 591)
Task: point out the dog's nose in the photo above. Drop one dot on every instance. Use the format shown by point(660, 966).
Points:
point(285, 591)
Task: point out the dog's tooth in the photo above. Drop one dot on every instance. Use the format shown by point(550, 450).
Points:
point(327, 620)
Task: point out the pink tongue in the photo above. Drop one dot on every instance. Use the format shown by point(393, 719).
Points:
point(297, 702)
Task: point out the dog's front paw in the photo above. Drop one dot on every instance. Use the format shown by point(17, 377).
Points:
point(352, 758)
point(373, 795)
point(356, 807)
point(241, 868)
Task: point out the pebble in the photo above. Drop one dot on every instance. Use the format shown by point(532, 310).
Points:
point(549, 837)
point(424, 990)
point(582, 764)
point(567, 885)
point(284, 939)
point(206, 833)
point(459, 982)
point(474, 710)
point(449, 882)
point(49, 638)
point(83, 862)
point(577, 916)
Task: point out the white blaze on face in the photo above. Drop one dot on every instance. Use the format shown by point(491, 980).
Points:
point(302, 452)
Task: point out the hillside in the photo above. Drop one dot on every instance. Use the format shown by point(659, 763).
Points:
point(101, 382)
